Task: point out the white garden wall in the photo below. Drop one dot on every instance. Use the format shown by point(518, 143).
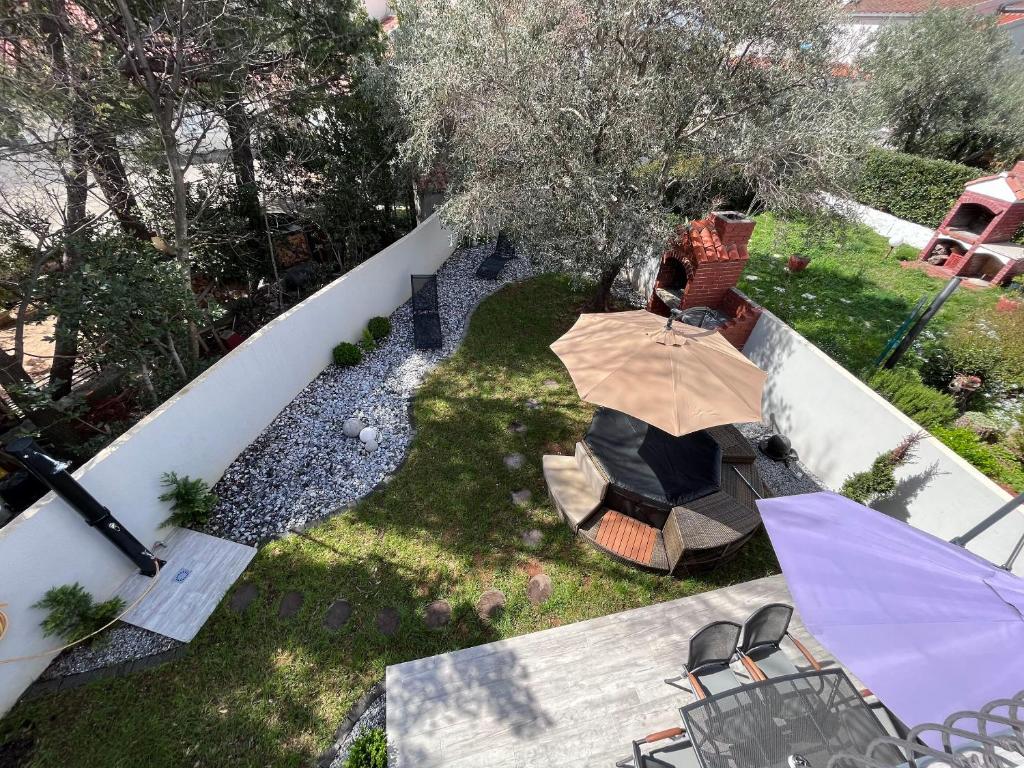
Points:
point(838, 426)
point(198, 432)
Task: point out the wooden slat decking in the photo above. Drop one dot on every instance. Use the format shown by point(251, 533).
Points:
point(570, 696)
point(626, 537)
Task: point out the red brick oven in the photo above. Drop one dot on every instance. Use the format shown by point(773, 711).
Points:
point(700, 269)
point(976, 237)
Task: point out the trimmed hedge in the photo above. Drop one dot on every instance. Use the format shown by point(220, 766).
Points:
point(914, 188)
point(346, 354)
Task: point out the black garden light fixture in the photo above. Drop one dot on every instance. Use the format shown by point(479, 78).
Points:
point(54, 475)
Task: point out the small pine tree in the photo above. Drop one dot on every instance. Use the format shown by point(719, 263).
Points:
point(73, 614)
point(879, 482)
point(368, 750)
point(192, 501)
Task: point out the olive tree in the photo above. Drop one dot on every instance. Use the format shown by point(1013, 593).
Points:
point(578, 126)
point(947, 85)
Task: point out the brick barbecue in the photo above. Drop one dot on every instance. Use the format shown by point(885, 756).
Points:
point(700, 269)
point(976, 237)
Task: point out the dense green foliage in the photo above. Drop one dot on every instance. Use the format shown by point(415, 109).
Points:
point(948, 84)
point(997, 461)
point(255, 690)
point(368, 750)
point(879, 481)
point(904, 388)
point(347, 353)
point(191, 500)
point(72, 613)
point(910, 187)
point(379, 328)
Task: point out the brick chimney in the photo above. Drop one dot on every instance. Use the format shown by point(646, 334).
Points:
point(733, 228)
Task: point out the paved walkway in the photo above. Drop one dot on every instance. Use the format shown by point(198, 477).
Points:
point(574, 695)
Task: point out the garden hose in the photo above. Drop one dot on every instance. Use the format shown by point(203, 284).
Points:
point(4, 623)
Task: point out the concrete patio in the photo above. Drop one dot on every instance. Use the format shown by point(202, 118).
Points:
point(570, 696)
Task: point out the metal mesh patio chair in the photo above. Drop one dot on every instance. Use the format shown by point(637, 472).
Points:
point(761, 644)
point(707, 668)
point(426, 317)
point(491, 267)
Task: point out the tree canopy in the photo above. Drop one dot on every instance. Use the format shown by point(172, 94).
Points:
point(947, 85)
point(578, 125)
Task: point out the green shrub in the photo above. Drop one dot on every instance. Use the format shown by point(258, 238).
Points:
point(903, 388)
point(880, 481)
point(911, 187)
point(368, 750)
point(983, 425)
point(367, 343)
point(347, 354)
point(192, 501)
point(379, 328)
point(73, 614)
point(995, 461)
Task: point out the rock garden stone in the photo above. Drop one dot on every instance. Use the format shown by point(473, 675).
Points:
point(517, 426)
point(337, 615)
point(438, 614)
point(514, 460)
point(539, 589)
point(243, 596)
point(300, 469)
point(550, 384)
point(290, 604)
point(533, 404)
point(490, 605)
point(388, 621)
point(369, 435)
point(532, 538)
point(521, 497)
point(352, 427)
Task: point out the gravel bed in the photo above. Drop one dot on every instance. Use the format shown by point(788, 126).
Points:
point(780, 478)
point(302, 468)
point(120, 643)
point(375, 716)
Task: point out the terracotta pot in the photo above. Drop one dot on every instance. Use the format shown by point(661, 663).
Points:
point(798, 263)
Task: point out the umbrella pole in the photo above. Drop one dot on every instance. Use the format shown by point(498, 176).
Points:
point(988, 522)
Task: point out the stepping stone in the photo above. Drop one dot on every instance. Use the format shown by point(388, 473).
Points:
point(532, 538)
point(514, 461)
point(521, 498)
point(387, 621)
point(533, 404)
point(491, 604)
point(550, 384)
point(337, 615)
point(243, 596)
point(517, 426)
point(290, 604)
point(439, 613)
point(539, 589)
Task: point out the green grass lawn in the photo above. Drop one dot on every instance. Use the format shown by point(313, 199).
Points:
point(255, 690)
point(852, 297)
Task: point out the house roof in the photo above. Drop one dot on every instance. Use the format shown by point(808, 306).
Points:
point(903, 7)
point(1008, 185)
point(1010, 17)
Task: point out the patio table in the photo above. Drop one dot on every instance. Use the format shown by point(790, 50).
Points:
point(775, 722)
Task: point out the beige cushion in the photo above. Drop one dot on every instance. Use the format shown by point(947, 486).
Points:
point(570, 490)
point(595, 480)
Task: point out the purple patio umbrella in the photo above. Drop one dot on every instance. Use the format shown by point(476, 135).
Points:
point(929, 627)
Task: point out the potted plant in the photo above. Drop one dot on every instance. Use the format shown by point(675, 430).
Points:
point(798, 262)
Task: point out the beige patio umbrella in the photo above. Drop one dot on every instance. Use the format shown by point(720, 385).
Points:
point(675, 376)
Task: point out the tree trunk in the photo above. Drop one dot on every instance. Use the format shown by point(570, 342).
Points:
point(243, 163)
point(602, 298)
point(113, 180)
point(52, 422)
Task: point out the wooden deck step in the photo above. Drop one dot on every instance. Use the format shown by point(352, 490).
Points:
point(627, 537)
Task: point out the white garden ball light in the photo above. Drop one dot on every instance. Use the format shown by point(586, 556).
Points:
point(368, 435)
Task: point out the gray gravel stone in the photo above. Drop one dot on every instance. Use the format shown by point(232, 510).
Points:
point(302, 468)
point(491, 604)
point(514, 461)
point(375, 716)
point(539, 589)
point(122, 642)
point(521, 497)
point(780, 478)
